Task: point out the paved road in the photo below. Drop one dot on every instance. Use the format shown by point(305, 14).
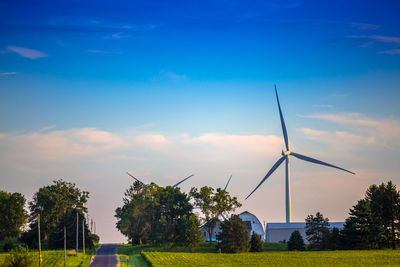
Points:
point(106, 256)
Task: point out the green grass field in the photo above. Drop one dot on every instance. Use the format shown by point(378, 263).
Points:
point(55, 258)
point(135, 259)
point(307, 258)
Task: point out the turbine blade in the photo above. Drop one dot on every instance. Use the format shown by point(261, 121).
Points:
point(299, 156)
point(276, 165)
point(228, 182)
point(285, 136)
point(175, 185)
point(136, 179)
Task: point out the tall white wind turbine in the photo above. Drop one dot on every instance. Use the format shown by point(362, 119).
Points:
point(285, 157)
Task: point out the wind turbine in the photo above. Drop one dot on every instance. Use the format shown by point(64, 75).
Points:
point(145, 185)
point(285, 157)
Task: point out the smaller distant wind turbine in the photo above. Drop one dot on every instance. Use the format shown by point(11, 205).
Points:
point(285, 157)
point(226, 186)
point(146, 185)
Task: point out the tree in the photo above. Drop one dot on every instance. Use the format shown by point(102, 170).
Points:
point(317, 231)
point(52, 202)
point(134, 217)
point(154, 214)
point(334, 241)
point(374, 221)
point(234, 236)
point(385, 205)
point(296, 241)
point(13, 215)
point(56, 238)
point(189, 231)
point(361, 229)
point(213, 204)
point(256, 244)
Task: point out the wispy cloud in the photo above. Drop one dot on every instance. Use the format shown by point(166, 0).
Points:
point(7, 73)
point(173, 76)
point(379, 38)
point(322, 106)
point(102, 52)
point(364, 26)
point(26, 52)
point(390, 52)
point(386, 129)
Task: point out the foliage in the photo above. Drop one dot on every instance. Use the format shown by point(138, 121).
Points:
point(154, 214)
point(56, 239)
point(296, 242)
point(213, 204)
point(52, 202)
point(317, 231)
point(19, 257)
point(374, 220)
point(256, 244)
point(95, 238)
point(13, 215)
point(296, 258)
point(234, 236)
point(189, 230)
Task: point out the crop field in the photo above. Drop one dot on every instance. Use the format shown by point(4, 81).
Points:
point(55, 258)
point(306, 258)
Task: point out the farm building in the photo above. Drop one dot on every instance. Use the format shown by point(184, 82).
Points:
point(280, 232)
point(251, 221)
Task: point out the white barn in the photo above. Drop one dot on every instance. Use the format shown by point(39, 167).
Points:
point(280, 232)
point(251, 221)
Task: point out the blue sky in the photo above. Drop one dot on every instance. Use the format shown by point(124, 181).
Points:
point(89, 90)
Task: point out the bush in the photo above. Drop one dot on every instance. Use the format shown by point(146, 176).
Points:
point(296, 241)
point(256, 244)
point(19, 257)
point(234, 236)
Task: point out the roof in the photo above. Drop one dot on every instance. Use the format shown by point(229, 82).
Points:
point(300, 225)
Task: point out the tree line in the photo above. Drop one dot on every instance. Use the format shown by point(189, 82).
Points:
point(373, 223)
point(60, 204)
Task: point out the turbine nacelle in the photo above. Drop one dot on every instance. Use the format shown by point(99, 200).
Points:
point(286, 153)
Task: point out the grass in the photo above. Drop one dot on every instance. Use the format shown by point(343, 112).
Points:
point(307, 258)
point(55, 258)
point(135, 259)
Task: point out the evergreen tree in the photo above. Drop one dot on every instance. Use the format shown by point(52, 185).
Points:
point(385, 205)
point(296, 241)
point(189, 230)
point(234, 236)
point(317, 231)
point(256, 244)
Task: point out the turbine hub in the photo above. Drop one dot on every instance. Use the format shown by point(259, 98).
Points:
point(286, 153)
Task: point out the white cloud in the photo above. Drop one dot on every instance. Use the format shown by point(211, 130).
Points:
point(26, 52)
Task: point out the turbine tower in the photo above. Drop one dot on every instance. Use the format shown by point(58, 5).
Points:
point(285, 157)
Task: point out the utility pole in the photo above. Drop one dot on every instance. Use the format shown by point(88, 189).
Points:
point(40, 247)
point(83, 236)
point(91, 225)
point(65, 247)
point(77, 229)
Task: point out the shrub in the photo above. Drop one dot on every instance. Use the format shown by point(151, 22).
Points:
point(256, 244)
point(296, 241)
point(19, 257)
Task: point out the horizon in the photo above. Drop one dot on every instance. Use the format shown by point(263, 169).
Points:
point(90, 91)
